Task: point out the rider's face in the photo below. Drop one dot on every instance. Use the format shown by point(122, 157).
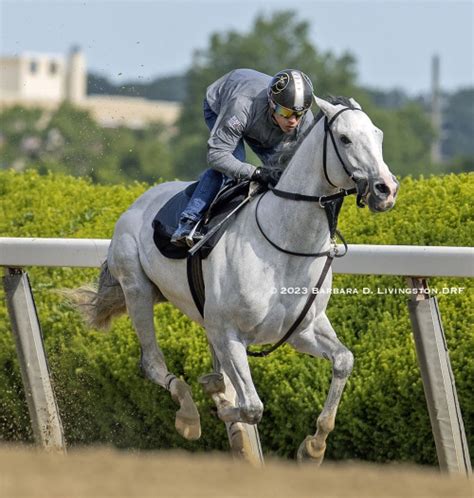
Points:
point(286, 124)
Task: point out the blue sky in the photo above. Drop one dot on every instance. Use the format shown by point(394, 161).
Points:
point(393, 41)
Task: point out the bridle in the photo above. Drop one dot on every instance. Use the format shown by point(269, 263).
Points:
point(323, 201)
point(328, 131)
point(342, 192)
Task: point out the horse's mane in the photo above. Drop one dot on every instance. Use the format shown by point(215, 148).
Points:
point(285, 158)
point(335, 101)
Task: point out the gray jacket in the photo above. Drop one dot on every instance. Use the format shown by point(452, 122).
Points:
point(240, 101)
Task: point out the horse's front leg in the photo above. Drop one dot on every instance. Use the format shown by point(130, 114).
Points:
point(321, 341)
point(231, 355)
point(244, 439)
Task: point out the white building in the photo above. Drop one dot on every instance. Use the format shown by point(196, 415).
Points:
point(42, 80)
point(43, 77)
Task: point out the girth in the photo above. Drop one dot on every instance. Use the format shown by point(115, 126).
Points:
point(196, 280)
point(196, 254)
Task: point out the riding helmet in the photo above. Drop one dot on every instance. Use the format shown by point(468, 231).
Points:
point(292, 89)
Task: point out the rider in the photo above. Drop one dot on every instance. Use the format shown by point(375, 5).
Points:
point(270, 114)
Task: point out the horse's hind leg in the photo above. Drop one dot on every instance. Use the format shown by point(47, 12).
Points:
point(322, 342)
point(140, 296)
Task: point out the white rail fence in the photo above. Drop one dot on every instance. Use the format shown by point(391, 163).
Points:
point(361, 259)
point(417, 263)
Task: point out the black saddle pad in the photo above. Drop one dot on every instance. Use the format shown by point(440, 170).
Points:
point(167, 219)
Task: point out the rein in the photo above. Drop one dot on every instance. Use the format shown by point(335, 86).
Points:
point(304, 311)
point(292, 253)
point(332, 252)
point(324, 199)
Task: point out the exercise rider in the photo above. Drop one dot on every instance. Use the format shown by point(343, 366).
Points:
point(270, 114)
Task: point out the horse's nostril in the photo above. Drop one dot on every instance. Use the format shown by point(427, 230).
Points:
point(382, 188)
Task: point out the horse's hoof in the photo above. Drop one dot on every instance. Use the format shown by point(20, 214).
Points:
point(307, 453)
point(188, 428)
point(187, 421)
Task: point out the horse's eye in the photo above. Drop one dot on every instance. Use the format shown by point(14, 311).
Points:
point(345, 140)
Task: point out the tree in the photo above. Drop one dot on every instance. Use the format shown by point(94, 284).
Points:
point(70, 141)
point(273, 43)
point(170, 88)
point(20, 136)
point(80, 144)
point(458, 119)
point(407, 139)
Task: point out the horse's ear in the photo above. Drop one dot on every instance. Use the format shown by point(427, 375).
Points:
point(325, 106)
point(355, 104)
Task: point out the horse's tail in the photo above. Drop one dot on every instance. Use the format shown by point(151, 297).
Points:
point(98, 305)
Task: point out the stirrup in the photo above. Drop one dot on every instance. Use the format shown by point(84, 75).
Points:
point(193, 237)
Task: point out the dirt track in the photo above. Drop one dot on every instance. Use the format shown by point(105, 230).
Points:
point(109, 473)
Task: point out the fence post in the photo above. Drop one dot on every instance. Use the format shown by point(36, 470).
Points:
point(44, 414)
point(438, 380)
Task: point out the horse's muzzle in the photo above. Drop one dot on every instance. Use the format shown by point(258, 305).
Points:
point(382, 193)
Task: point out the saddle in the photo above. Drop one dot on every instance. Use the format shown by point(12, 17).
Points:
point(167, 219)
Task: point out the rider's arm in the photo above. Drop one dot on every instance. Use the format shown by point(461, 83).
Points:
point(225, 136)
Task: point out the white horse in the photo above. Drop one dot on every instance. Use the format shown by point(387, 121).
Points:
point(246, 276)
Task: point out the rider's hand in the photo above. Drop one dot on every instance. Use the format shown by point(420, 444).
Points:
point(266, 175)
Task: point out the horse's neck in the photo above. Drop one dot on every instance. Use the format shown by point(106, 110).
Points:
point(300, 225)
point(304, 174)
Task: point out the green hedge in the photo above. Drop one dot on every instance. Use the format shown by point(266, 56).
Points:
point(103, 397)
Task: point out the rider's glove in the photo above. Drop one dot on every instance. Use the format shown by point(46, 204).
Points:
point(266, 175)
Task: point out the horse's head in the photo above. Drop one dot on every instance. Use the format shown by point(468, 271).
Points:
point(354, 152)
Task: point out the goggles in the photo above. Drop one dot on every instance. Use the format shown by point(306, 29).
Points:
point(287, 113)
